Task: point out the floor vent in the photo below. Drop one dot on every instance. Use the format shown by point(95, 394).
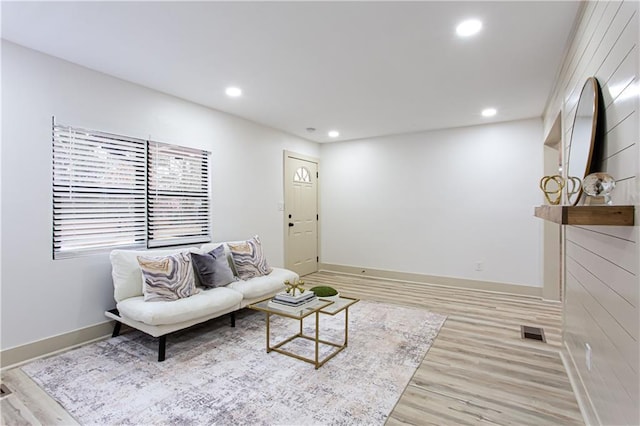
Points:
point(4, 391)
point(533, 333)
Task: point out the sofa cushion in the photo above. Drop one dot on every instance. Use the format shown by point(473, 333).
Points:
point(207, 247)
point(205, 303)
point(212, 268)
point(126, 272)
point(167, 277)
point(249, 259)
point(265, 285)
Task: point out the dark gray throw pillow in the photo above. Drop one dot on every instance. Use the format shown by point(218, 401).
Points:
point(212, 268)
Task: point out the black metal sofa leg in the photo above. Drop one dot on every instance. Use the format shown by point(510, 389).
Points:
point(117, 325)
point(116, 329)
point(162, 346)
point(162, 340)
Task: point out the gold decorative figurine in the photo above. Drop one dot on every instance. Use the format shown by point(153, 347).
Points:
point(552, 187)
point(291, 288)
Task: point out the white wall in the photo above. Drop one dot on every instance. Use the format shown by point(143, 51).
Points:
point(41, 297)
point(603, 262)
point(436, 202)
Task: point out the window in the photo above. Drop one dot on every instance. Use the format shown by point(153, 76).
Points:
point(302, 175)
point(115, 191)
point(178, 195)
point(99, 191)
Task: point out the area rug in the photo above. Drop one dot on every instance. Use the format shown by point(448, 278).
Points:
point(215, 374)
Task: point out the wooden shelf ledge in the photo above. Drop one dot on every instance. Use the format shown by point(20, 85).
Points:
point(587, 215)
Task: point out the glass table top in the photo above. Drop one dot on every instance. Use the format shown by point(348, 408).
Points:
point(326, 306)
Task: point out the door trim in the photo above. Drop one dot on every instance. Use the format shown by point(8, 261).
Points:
point(552, 233)
point(285, 219)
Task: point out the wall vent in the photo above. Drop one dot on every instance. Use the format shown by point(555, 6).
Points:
point(532, 333)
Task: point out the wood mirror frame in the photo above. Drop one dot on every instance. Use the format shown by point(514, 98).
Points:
point(584, 135)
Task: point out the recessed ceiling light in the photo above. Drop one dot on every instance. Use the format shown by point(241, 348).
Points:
point(334, 134)
point(234, 92)
point(469, 27)
point(489, 112)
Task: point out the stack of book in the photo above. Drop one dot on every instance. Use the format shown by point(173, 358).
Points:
point(286, 301)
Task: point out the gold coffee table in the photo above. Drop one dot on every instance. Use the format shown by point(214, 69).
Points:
point(321, 306)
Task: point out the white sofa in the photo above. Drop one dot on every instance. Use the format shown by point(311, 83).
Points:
point(159, 318)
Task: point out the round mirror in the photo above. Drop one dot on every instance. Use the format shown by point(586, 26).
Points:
point(583, 135)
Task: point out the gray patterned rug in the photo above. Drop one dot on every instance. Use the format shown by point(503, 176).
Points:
point(215, 374)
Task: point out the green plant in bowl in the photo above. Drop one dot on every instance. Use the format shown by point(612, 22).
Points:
point(324, 291)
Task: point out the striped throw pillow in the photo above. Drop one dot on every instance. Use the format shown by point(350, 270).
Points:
point(249, 259)
point(167, 278)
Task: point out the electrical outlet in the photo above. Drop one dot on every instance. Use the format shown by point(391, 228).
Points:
point(587, 350)
point(479, 266)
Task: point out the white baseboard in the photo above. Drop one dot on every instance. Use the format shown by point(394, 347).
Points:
point(15, 356)
point(589, 413)
point(496, 287)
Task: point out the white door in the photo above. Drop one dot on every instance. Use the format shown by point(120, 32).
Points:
point(301, 213)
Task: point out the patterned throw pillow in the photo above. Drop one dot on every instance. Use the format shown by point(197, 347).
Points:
point(249, 259)
point(168, 277)
point(212, 269)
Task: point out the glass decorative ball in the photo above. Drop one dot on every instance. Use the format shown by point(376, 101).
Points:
point(599, 185)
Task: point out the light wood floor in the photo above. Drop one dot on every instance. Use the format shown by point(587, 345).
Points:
point(478, 371)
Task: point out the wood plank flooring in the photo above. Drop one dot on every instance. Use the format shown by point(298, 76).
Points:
point(478, 371)
point(28, 404)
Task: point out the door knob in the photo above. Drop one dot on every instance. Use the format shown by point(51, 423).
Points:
point(290, 224)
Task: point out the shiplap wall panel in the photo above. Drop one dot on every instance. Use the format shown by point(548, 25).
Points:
point(619, 251)
point(622, 44)
point(617, 139)
point(622, 76)
point(623, 106)
point(618, 344)
point(613, 43)
point(608, 299)
point(623, 164)
point(607, 363)
point(596, 50)
point(604, 46)
point(625, 190)
point(625, 282)
point(602, 263)
point(584, 39)
point(619, 401)
point(623, 232)
point(562, 88)
point(617, 395)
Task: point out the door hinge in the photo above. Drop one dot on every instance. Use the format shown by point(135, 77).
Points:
point(318, 259)
point(317, 175)
point(317, 217)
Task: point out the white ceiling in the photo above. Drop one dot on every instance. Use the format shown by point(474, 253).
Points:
point(363, 68)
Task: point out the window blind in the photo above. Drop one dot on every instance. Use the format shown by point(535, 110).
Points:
point(178, 195)
point(99, 191)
